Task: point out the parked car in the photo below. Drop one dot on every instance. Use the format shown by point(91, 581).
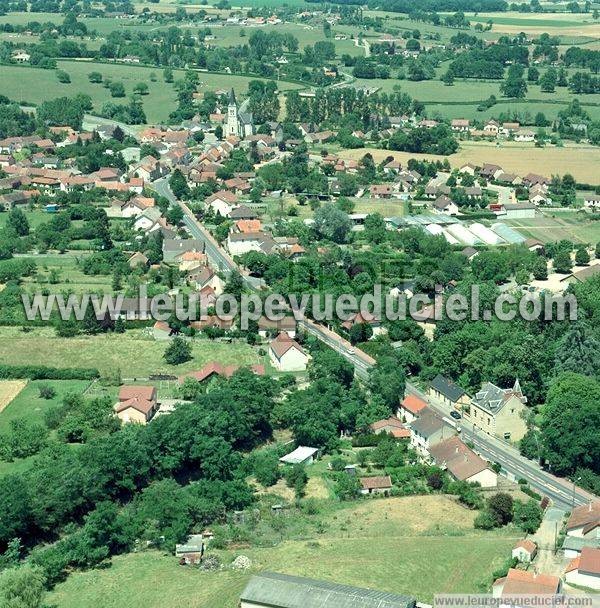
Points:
point(455, 415)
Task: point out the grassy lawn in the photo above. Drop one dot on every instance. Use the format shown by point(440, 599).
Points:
point(34, 85)
point(413, 545)
point(35, 217)
point(28, 403)
point(134, 353)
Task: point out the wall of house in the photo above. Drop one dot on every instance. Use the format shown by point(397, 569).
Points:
point(521, 554)
point(241, 247)
point(292, 361)
point(509, 420)
point(486, 478)
point(132, 415)
point(584, 580)
point(404, 414)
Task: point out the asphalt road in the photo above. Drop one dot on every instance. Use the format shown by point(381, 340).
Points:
point(563, 493)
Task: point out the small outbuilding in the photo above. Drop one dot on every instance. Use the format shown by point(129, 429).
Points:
point(301, 455)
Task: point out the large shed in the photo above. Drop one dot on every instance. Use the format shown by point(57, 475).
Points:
point(273, 590)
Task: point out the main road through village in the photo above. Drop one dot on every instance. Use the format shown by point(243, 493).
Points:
point(563, 493)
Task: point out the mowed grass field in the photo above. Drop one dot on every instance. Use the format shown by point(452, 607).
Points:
point(29, 405)
point(581, 161)
point(34, 85)
point(9, 389)
point(134, 353)
point(411, 545)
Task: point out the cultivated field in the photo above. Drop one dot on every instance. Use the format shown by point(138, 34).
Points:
point(134, 353)
point(407, 545)
point(559, 225)
point(34, 85)
point(581, 161)
point(9, 389)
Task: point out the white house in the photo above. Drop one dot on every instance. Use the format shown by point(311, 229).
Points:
point(584, 521)
point(525, 550)
point(585, 569)
point(222, 202)
point(591, 201)
point(411, 407)
point(287, 355)
point(443, 204)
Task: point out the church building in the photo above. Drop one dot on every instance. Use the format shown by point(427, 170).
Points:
point(239, 119)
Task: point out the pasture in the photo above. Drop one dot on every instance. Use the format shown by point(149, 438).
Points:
point(407, 545)
point(9, 390)
point(134, 353)
point(34, 85)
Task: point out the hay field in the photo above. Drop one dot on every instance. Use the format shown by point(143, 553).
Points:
point(9, 389)
point(581, 161)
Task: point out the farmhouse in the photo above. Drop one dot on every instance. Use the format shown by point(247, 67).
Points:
point(287, 355)
point(591, 201)
point(375, 485)
point(448, 393)
point(585, 569)
point(460, 124)
point(272, 590)
point(411, 408)
point(500, 412)
point(525, 550)
point(462, 463)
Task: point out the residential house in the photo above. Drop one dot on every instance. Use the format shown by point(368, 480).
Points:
point(462, 463)
point(239, 243)
point(375, 485)
point(532, 179)
point(491, 128)
point(272, 590)
point(509, 128)
point(449, 393)
point(242, 212)
point(525, 551)
point(584, 521)
point(489, 171)
point(222, 202)
point(205, 277)
point(460, 125)
point(136, 404)
point(365, 318)
point(148, 220)
point(538, 196)
point(268, 327)
point(393, 167)
point(443, 204)
point(392, 426)
point(381, 190)
point(172, 249)
point(582, 275)
point(410, 408)
point(287, 355)
point(524, 135)
point(428, 430)
point(584, 570)
point(214, 369)
point(591, 201)
point(521, 582)
point(468, 168)
point(137, 259)
point(500, 412)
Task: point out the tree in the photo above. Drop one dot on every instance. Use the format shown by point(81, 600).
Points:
point(179, 351)
point(22, 587)
point(95, 77)
point(582, 257)
point(168, 75)
point(562, 262)
point(578, 351)
point(347, 486)
point(548, 81)
point(17, 221)
point(528, 516)
point(501, 507)
point(63, 77)
point(332, 223)
point(179, 185)
point(141, 88)
point(514, 86)
point(569, 424)
point(117, 89)
point(375, 229)
point(539, 268)
point(448, 78)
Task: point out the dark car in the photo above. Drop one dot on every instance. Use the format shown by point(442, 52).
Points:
point(455, 415)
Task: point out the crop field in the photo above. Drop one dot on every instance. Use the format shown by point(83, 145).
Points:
point(34, 85)
point(9, 390)
point(556, 226)
point(135, 353)
point(581, 161)
point(406, 545)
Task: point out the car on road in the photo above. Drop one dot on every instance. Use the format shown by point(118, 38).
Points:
point(455, 415)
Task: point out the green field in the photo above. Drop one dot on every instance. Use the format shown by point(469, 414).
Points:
point(34, 85)
point(29, 405)
point(408, 545)
point(35, 217)
point(135, 353)
point(559, 225)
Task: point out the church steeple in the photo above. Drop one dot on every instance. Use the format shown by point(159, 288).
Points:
point(232, 99)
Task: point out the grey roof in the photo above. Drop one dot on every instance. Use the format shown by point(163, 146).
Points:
point(492, 398)
point(182, 245)
point(428, 424)
point(447, 388)
point(284, 591)
point(577, 543)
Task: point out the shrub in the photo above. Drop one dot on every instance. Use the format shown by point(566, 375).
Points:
point(47, 392)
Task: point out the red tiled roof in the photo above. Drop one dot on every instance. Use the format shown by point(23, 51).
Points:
point(141, 392)
point(376, 483)
point(528, 583)
point(413, 404)
point(283, 343)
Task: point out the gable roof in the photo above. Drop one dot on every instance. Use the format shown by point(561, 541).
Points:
point(492, 398)
point(447, 388)
point(283, 343)
point(376, 483)
point(584, 515)
point(127, 392)
point(458, 458)
point(428, 424)
point(137, 403)
point(415, 405)
point(526, 544)
point(285, 591)
point(528, 583)
point(588, 562)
